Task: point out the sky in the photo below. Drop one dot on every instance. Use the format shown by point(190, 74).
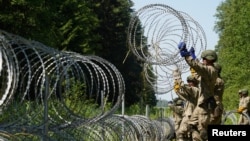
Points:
point(202, 11)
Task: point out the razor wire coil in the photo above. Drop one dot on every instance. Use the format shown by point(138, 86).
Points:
point(24, 65)
point(161, 28)
point(28, 66)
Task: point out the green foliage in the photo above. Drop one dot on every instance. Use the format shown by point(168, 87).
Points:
point(156, 112)
point(137, 109)
point(133, 110)
point(234, 48)
point(61, 24)
point(86, 27)
point(18, 112)
point(78, 101)
point(114, 20)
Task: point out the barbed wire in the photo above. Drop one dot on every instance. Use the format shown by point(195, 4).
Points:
point(161, 28)
point(50, 94)
point(24, 67)
point(231, 117)
point(40, 96)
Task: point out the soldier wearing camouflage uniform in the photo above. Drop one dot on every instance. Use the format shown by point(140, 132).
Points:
point(177, 109)
point(189, 93)
point(216, 115)
point(244, 107)
point(201, 116)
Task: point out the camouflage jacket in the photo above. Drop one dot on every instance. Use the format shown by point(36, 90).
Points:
point(219, 90)
point(190, 95)
point(245, 102)
point(208, 76)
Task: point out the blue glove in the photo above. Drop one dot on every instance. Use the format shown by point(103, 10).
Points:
point(183, 49)
point(184, 53)
point(192, 53)
point(182, 46)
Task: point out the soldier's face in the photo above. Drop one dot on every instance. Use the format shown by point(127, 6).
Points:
point(190, 83)
point(204, 61)
point(207, 62)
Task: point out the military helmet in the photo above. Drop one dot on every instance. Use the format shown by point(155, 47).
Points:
point(175, 100)
point(179, 102)
point(217, 67)
point(244, 91)
point(190, 78)
point(209, 55)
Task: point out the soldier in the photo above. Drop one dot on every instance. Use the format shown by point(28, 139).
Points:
point(244, 107)
point(177, 109)
point(216, 115)
point(189, 93)
point(201, 116)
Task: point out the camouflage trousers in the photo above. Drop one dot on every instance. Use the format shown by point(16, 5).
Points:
point(216, 115)
point(183, 131)
point(199, 122)
point(243, 120)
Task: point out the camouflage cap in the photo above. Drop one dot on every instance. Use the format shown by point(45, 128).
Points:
point(191, 78)
point(179, 102)
point(209, 55)
point(244, 91)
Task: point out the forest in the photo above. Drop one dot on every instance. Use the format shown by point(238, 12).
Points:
point(100, 28)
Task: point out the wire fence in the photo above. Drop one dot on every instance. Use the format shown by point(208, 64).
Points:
point(48, 94)
point(161, 28)
point(232, 118)
point(40, 98)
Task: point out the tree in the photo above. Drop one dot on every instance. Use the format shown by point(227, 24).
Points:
point(114, 19)
point(87, 27)
point(234, 47)
point(64, 25)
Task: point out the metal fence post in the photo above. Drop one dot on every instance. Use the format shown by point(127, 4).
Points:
point(45, 130)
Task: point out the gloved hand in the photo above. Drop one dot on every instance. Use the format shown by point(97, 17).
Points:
point(182, 46)
point(193, 72)
point(240, 110)
point(183, 49)
point(176, 86)
point(177, 74)
point(192, 52)
point(184, 53)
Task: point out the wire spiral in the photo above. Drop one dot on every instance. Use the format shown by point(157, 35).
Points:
point(24, 67)
point(51, 94)
point(161, 28)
